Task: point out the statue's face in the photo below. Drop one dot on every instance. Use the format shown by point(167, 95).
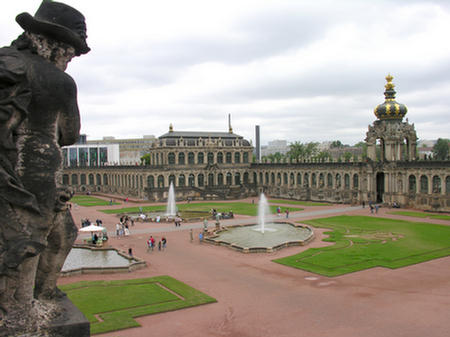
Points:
point(59, 53)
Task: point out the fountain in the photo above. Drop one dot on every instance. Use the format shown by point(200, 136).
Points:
point(263, 215)
point(83, 259)
point(171, 209)
point(266, 236)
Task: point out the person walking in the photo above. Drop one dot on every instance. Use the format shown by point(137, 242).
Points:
point(164, 242)
point(191, 234)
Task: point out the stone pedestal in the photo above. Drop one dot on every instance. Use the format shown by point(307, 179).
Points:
point(72, 323)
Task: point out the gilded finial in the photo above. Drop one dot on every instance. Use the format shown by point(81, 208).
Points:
point(170, 127)
point(389, 85)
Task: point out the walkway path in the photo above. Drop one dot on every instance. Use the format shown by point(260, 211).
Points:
point(259, 298)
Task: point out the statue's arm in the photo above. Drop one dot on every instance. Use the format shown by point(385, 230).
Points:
point(69, 119)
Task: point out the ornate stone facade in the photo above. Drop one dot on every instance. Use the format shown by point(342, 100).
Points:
point(218, 165)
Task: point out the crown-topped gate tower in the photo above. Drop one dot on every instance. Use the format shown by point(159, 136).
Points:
point(398, 139)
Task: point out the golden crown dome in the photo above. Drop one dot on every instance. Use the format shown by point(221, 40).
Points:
point(390, 109)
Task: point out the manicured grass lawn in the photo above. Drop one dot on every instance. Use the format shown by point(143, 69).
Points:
point(116, 303)
point(365, 242)
point(298, 202)
point(421, 215)
point(237, 208)
point(87, 200)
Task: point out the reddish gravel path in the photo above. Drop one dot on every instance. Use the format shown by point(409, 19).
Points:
point(259, 298)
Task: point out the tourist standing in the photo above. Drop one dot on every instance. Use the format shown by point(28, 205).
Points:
point(287, 213)
point(164, 242)
point(191, 234)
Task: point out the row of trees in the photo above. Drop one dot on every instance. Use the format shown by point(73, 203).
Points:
point(310, 151)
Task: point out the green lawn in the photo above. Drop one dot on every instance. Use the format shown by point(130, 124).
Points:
point(421, 215)
point(87, 200)
point(117, 303)
point(363, 242)
point(298, 202)
point(237, 208)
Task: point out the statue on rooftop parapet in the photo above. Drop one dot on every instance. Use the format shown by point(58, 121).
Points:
point(38, 115)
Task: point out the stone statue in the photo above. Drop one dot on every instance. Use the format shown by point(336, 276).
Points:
point(38, 115)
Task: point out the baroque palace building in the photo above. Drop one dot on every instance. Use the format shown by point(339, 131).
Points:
point(219, 165)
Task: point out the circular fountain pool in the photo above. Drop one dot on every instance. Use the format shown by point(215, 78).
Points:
point(254, 239)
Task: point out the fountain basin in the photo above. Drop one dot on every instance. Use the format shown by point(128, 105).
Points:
point(250, 239)
point(83, 259)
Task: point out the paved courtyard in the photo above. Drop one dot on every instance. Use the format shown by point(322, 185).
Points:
point(257, 297)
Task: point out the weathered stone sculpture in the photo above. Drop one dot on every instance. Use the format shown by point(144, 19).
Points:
point(38, 115)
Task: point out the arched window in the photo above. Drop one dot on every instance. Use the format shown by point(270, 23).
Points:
point(412, 184)
point(160, 181)
point(261, 178)
point(338, 180)
point(285, 178)
point(299, 179)
point(237, 178)
point(74, 179)
point(313, 180)
point(355, 181)
point(172, 179)
point(210, 179)
point(181, 158)
point(329, 180)
point(98, 179)
point(200, 180)
point(272, 178)
point(292, 179)
point(278, 178)
point(245, 157)
point(181, 180)
point(346, 181)
point(321, 180)
point(83, 179)
point(237, 157)
point(447, 184)
point(65, 179)
point(220, 179)
point(436, 184)
point(246, 177)
point(200, 157)
point(210, 158)
point(150, 181)
point(171, 158)
point(191, 180)
point(423, 184)
point(105, 179)
point(157, 159)
point(306, 180)
point(228, 157)
point(267, 178)
point(191, 158)
point(219, 158)
point(229, 179)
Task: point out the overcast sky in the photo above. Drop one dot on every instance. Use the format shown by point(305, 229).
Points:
point(302, 70)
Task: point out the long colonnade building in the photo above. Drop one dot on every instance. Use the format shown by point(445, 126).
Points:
point(218, 165)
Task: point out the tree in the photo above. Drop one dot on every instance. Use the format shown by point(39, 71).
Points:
point(145, 159)
point(296, 151)
point(441, 149)
point(336, 144)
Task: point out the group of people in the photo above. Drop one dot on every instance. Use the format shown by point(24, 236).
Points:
point(177, 221)
point(122, 227)
point(151, 243)
point(286, 212)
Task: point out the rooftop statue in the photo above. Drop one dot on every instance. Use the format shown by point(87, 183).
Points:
point(38, 115)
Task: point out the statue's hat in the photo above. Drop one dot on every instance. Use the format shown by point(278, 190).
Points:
point(57, 21)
